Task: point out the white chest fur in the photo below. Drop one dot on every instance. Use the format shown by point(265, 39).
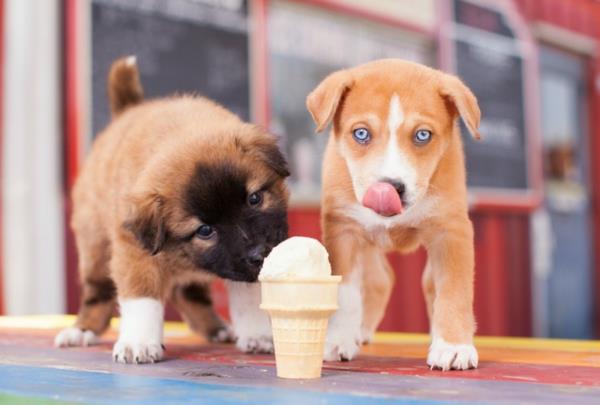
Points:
point(379, 227)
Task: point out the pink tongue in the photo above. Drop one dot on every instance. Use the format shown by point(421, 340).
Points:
point(383, 199)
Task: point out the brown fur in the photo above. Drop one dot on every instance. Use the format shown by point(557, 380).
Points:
point(360, 97)
point(124, 87)
point(131, 192)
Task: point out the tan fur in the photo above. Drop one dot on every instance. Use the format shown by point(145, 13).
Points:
point(124, 87)
point(135, 175)
point(430, 99)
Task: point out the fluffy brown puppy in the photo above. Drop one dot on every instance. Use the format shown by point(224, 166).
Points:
point(174, 192)
point(394, 179)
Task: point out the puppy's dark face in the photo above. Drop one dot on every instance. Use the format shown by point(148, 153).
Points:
point(226, 217)
point(241, 219)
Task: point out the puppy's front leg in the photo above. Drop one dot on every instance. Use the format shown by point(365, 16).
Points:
point(140, 331)
point(139, 289)
point(378, 282)
point(250, 324)
point(344, 331)
point(451, 258)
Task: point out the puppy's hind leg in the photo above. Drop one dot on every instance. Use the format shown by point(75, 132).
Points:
point(98, 293)
point(344, 329)
point(194, 303)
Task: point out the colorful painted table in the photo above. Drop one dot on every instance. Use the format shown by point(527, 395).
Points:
point(391, 369)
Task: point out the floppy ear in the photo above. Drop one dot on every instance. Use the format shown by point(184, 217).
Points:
point(147, 222)
point(464, 101)
point(272, 156)
point(323, 101)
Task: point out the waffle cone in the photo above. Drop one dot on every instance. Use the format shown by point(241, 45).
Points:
point(300, 311)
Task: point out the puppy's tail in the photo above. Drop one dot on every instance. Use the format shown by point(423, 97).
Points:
point(124, 87)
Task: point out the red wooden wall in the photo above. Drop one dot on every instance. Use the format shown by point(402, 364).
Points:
point(579, 16)
point(502, 286)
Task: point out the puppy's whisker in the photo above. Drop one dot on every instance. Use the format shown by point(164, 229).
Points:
point(242, 232)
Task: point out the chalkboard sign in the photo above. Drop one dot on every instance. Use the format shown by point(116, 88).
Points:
point(182, 46)
point(489, 58)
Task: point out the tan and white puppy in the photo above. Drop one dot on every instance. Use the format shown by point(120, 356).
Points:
point(393, 180)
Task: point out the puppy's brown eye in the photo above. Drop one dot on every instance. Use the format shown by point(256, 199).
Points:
point(255, 199)
point(205, 231)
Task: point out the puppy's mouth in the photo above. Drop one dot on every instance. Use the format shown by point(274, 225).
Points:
point(385, 198)
point(247, 272)
point(251, 273)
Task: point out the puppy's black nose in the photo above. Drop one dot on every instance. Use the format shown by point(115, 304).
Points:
point(398, 185)
point(256, 255)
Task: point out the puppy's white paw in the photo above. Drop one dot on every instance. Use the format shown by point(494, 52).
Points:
point(74, 336)
point(447, 356)
point(250, 324)
point(137, 352)
point(341, 348)
point(255, 344)
point(141, 331)
point(344, 334)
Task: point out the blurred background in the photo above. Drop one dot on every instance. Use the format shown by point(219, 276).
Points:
point(533, 180)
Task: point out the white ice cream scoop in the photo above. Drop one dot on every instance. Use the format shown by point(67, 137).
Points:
point(297, 257)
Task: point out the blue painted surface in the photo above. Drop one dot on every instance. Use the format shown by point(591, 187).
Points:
point(573, 262)
point(99, 388)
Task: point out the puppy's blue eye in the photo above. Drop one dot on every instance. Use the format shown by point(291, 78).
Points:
point(361, 135)
point(255, 199)
point(422, 136)
point(205, 231)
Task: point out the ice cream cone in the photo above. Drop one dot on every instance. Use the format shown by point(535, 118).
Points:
point(299, 311)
